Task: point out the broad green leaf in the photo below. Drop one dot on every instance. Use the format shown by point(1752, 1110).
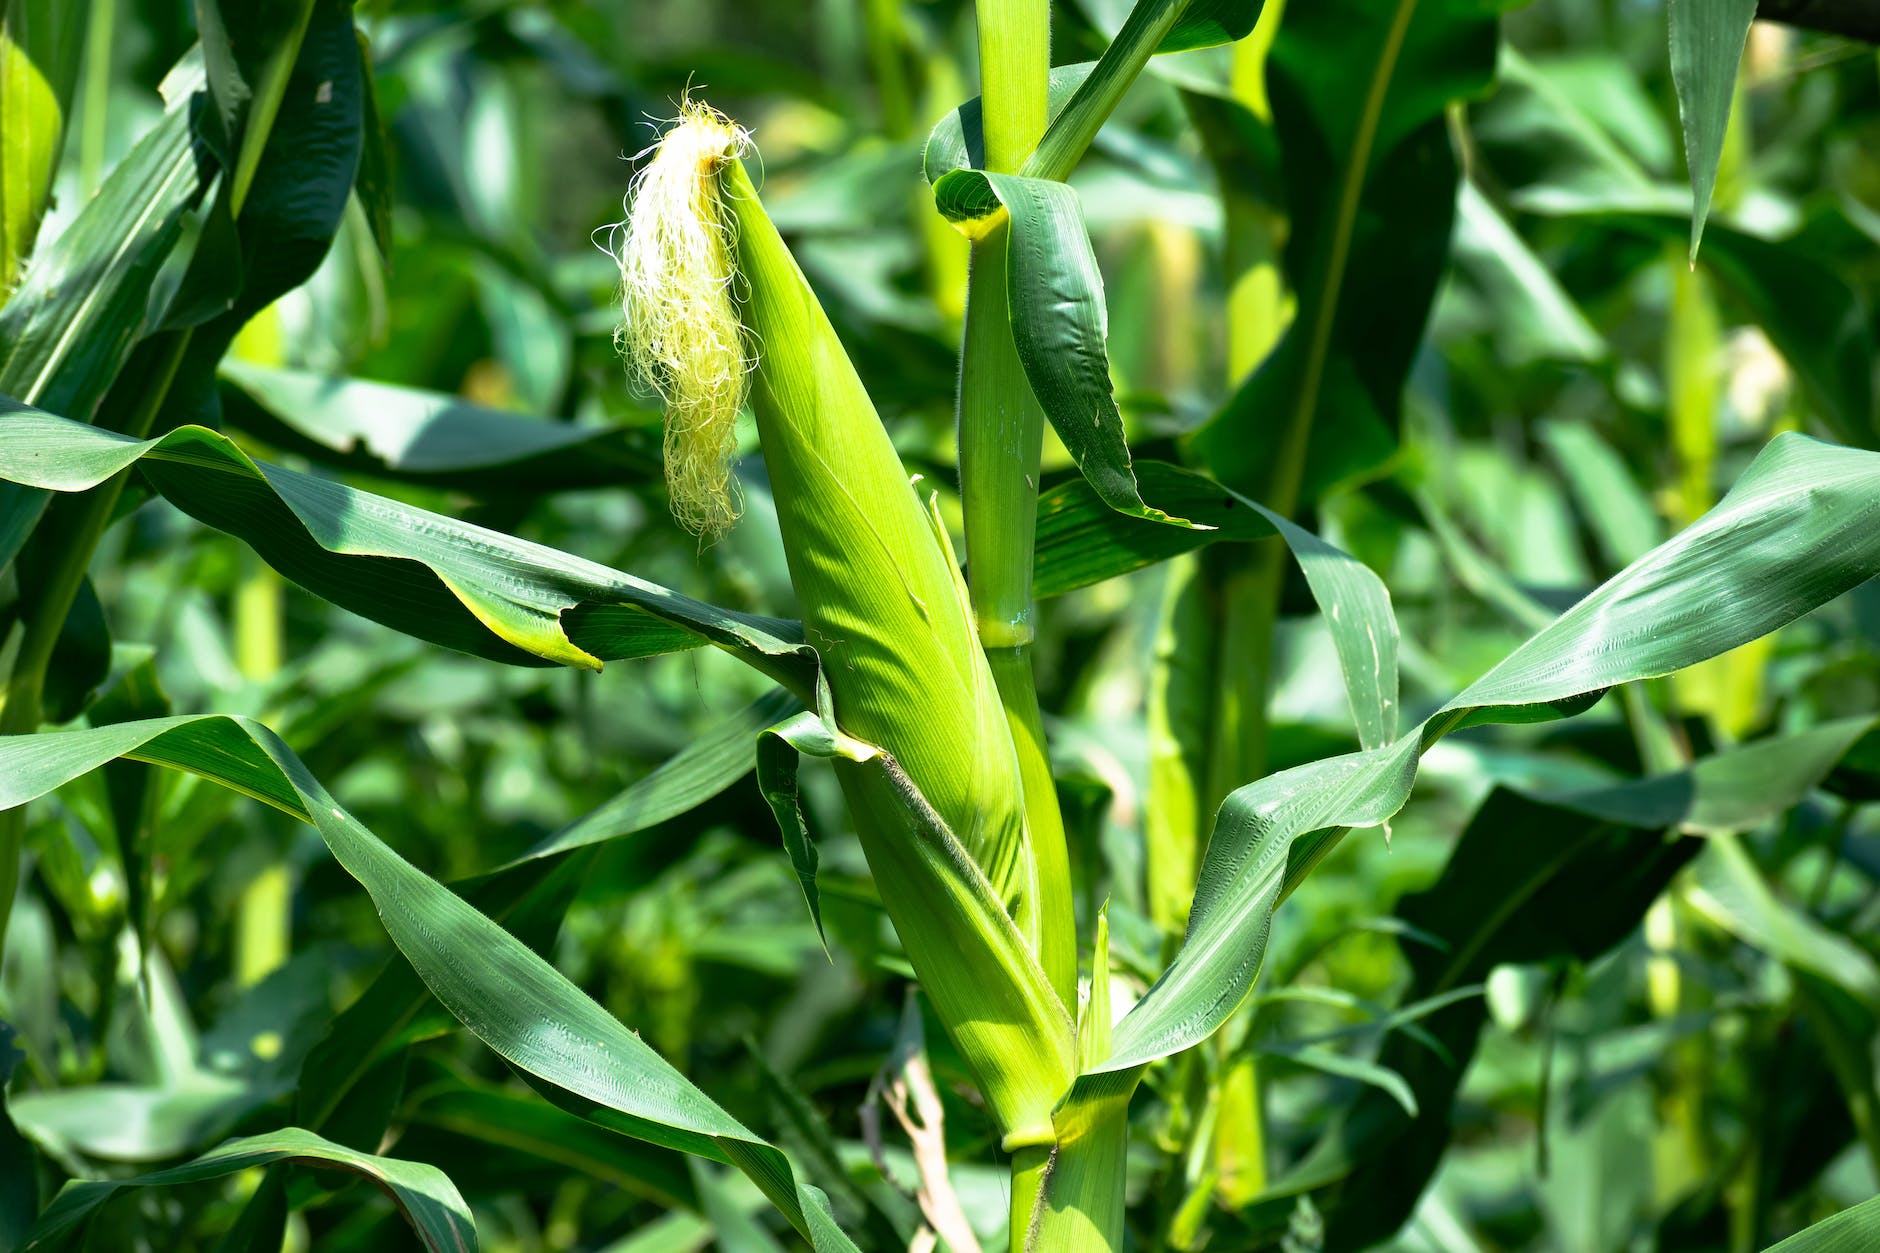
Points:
point(1707, 38)
point(298, 98)
point(1060, 323)
point(422, 436)
point(777, 751)
point(471, 589)
point(696, 773)
point(423, 1193)
point(1801, 527)
point(353, 1077)
point(248, 52)
point(70, 326)
point(1358, 95)
point(39, 45)
point(1082, 541)
point(1850, 1231)
point(510, 998)
point(1536, 878)
point(1206, 23)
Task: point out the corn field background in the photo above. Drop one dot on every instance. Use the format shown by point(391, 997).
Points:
point(1190, 625)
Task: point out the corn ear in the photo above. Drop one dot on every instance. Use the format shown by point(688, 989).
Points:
point(942, 820)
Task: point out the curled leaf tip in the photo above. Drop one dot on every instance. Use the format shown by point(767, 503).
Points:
point(680, 331)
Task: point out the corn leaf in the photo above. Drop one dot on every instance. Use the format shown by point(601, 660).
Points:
point(1059, 320)
point(423, 1193)
point(248, 52)
point(1081, 541)
point(419, 436)
point(39, 46)
point(510, 998)
point(442, 580)
point(70, 326)
point(1579, 878)
point(1801, 527)
point(696, 773)
point(1849, 1231)
point(1358, 96)
point(1707, 38)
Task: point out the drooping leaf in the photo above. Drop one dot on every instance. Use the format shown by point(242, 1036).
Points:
point(1707, 38)
point(1569, 875)
point(696, 773)
point(512, 999)
point(1060, 323)
point(248, 52)
point(290, 82)
point(70, 326)
point(446, 581)
point(1082, 541)
point(1798, 529)
point(424, 1194)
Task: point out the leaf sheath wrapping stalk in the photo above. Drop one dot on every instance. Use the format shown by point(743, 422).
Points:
point(883, 605)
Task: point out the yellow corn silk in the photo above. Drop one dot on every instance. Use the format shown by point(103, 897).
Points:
point(882, 602)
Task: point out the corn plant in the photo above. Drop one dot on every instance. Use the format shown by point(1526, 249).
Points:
point(1087, 1035)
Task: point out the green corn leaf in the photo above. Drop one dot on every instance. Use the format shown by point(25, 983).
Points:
point(510, 998)
point(1059, 320)
point(248, 52)
point(1081, 541)
point(419, 436)
point(353, 1077)
point(39, 46)
point(1208, 23)
point(70, 326)
point(778, 749)
point(696, 773)
point(1850, 1231)
point(446, 581)
point(423, 1193)
point(1801, 527)
point(1565, 876)
point(957, 141)
point(1707, 38)
point(1358, 95)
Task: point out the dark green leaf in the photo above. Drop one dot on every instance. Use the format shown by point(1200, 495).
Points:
point(446, 581)
point(1059, 320)
point(1707, 38)
point(1358, 96)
